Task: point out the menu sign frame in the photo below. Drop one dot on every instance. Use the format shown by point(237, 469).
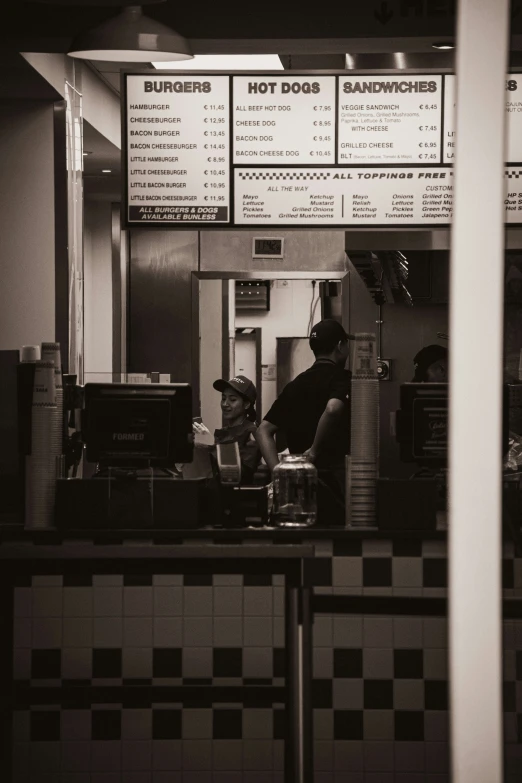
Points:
point(274, 125)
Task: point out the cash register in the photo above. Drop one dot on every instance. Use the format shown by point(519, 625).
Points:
point(139, 441)
point(422, 436)
point(133, 435)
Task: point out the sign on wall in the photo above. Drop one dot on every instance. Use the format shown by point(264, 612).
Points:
point(298, 150)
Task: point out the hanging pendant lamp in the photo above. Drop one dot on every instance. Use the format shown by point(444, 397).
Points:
point(131, 37)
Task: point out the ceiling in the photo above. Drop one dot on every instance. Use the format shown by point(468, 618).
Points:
point(280, 28)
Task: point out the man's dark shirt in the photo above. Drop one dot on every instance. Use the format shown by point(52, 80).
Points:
point(301, 404)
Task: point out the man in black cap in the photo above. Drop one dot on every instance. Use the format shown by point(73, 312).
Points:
point(313, 410)
point(238, 398)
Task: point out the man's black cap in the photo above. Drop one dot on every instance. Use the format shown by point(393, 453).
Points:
point(326, 334)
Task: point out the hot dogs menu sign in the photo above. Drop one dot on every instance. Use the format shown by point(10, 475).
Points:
point(298, 150)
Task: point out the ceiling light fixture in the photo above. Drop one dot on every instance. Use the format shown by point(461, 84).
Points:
point(227, 62)
point(106, 171)
point(131, 37)
point(443, 46)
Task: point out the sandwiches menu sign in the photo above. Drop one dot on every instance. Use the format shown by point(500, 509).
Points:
point(298, 150)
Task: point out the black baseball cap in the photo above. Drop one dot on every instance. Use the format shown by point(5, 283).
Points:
point(428, 356)
point(326, 334)
point(243, 386)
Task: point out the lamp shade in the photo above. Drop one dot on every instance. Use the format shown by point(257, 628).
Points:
point(131, 37)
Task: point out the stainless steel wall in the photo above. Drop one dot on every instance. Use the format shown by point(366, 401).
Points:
point(160, 304)
point(304, 250)
point(162, 327)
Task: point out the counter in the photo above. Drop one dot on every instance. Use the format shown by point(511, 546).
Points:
point(379, 689)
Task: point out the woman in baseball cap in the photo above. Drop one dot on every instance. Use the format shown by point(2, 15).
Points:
point(238, 399)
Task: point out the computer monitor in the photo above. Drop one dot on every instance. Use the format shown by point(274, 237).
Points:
point(422, 422)
point(137, 425)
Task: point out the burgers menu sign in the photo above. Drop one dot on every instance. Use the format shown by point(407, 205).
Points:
point(298, 149)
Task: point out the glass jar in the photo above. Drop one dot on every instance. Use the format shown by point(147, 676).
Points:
point(295, 492)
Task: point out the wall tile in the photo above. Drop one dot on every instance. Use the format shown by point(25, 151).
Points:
point(166, 755)
point(108, 601)
point(378, 725)
point(22, 632)
point(197, 601)
point(257, 662)
point(227, 755)
point(47, 601)
point(77, 601)
point(407, 632)
point(378, 756)
point(348, 632)
point(196, 724)
point(378, 664)
point(137, 632)
point(347, 572)
point(137, 602)
point(137, 663)
point(228, 632)
point(257, 723)
point(107, 632)
point(258, 631)
point(348, 756)
point(228, 601)
point(197, 662)
point(197, 755)
point(136, 724)
point(167, 632)
point(23, 602)
point(378, 632)
point(46, 632)
point(197, 631)
point(168, 601)
point(258, 601)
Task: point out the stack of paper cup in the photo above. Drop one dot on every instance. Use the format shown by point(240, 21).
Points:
point(41, 464)
point(51, 353)
point(363, 472)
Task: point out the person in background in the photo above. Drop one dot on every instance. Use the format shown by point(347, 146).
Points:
point(431, 365)
point(238, 399)
point(313, 410)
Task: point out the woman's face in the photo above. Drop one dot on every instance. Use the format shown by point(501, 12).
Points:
point(437, 372)
point(233, 405)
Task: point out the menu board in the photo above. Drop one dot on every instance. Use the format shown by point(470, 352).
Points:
point(390, 119)
point(356, 197)
point(178, 159)
point(513, 88)
point(343, 197)
point(298, 149)
point(284, 119)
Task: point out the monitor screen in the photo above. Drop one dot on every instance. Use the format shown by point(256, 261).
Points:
point(138, 424)
point(422, 423)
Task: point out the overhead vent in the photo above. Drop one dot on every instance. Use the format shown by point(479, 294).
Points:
point(384, 273)
point(253, 295)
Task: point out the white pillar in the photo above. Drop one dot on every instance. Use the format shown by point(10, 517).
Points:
point(476, 331)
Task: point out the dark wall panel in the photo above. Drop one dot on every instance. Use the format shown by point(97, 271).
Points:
point(160, 309)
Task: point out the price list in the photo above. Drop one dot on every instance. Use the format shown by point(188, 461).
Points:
point(513, 90)
point(390, 119)
point(177, 137)
point(283, 120)
point(344, 197)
